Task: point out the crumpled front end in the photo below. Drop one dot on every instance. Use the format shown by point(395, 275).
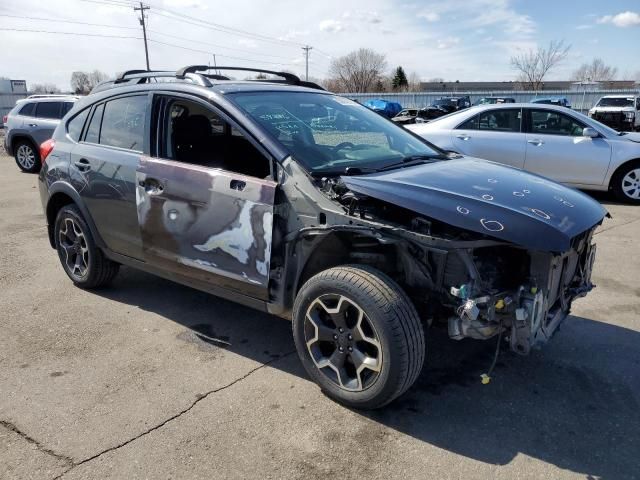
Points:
point(526, 294)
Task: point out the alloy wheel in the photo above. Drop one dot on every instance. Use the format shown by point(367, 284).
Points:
point(74, 245)
point(631, 184)
point(343, 342)
point(26, 156)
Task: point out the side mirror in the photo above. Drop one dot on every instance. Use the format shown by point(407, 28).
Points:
point(590, 132)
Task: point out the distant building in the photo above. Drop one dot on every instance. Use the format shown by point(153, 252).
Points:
point(10, 92)
point(506, 86)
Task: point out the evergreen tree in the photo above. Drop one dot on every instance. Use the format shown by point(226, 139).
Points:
point(399, 79)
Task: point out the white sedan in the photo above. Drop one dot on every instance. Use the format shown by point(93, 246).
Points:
point(552, 141)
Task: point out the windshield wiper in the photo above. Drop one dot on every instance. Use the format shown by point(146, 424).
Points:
point(407, 161)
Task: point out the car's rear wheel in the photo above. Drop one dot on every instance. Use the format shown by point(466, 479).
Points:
point(358, 336)
point(27, 157)
point(626, 183)
point(81, 259)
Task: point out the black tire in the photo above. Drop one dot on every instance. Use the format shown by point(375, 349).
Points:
point(618, 183)
point(98, 270)
point(394, 322)
point(30, 164)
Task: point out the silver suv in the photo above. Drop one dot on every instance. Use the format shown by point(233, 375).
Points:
point(30, 123)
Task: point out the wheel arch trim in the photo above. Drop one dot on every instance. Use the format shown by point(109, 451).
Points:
point(57, 189)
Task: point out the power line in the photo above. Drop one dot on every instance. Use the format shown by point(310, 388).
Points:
point(67, 21)
point(142, 9)
point(208, 52)
point(68, 33)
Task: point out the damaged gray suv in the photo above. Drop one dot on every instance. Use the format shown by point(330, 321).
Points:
point(304, 204)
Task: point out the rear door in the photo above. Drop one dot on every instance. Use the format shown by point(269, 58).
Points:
point(205, 210)
point(103, 169)
point(557, 149)
point(494, 134)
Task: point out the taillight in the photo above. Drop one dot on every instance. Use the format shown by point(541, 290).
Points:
point(5, 118)
point(45, 149)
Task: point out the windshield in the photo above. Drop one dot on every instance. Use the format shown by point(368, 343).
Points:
point(328, 134)
point(615, 102)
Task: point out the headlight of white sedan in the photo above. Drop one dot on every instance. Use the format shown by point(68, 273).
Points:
point(629, 115)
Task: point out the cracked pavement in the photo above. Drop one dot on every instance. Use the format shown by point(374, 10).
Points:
point(149, 379)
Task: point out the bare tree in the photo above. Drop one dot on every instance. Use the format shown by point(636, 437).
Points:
point(40, 88)
point(415, 85)
point(534, 65)
point(358, 71)
point(83, 82)
point(596, 71)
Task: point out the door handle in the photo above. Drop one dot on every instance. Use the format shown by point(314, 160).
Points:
point(237, 185)
point(463, 137)
point(33, 124)
point(536, 142)
point(83, 165)
point(151, 186)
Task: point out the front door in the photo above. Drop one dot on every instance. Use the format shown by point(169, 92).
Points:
point(556, 149)
point(206, 209)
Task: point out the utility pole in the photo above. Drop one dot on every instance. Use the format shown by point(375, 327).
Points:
point(142, 8)
point(306, 54)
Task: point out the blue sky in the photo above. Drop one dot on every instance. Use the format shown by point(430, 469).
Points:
point(454, 39)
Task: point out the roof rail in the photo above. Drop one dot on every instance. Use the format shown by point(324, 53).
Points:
point(54, 95)
point(140, 74)
point(288, 78)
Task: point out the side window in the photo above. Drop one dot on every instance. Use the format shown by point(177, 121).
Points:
point(638, 103)
point(74, 127)
point(123, 122)
point(66, 106)
point(28, 109)
point(502, 120)
point(93, 131)
point(548, 122)
point(471, 124)
point(191, 132)
point(48, 110)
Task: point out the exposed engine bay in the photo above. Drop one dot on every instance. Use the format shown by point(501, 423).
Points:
point(473, 284)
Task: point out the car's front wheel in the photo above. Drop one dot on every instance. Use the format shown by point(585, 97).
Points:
point(358, 336)
point(626, 183)
point(82, 260)
point(27, 157)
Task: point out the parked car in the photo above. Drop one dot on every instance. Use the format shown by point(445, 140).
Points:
point(426, 114)
point(561, 101)
point(30, 123)
point(561, 144)
point(362, 235)
point(452, 104)
point(384, 107)
point(494, 100)
point(621, 112)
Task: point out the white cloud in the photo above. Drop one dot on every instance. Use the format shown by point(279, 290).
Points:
point(248, 43)
point(429, 16)
point(624, 19)
point(584, 27)
point(293, 35)
point(447, 42)
point(331, 26)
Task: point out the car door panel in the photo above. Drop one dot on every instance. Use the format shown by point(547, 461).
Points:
point(206, 223)
point(566, 158)
point(507, 148)
point(105, 178)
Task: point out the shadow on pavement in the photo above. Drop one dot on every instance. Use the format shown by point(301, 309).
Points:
point(574, 404)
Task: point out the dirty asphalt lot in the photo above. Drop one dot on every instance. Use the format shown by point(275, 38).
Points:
point(117, 383)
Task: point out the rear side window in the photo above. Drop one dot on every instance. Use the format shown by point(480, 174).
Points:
point(66, 106)
point(503, 120)
point(74, 127)
point(48, 110)
point(93, 131)
point(27, 109)
point(471, 124)
point(123, 122)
